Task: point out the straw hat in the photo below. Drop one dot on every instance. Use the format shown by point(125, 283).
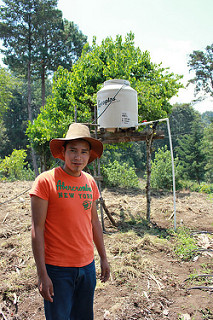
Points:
point(77, 131)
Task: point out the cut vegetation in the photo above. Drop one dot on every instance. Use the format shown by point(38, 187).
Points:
point(156, 273)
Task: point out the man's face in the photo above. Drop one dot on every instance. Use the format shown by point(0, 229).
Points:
point(76, 154)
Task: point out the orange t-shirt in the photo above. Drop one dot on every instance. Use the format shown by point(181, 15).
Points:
point(68, 230)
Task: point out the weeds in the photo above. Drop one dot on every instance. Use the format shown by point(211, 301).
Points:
point(185, 244)
point(207, 313)
point(193, 186)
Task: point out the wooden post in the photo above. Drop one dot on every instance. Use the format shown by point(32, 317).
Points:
point(76, 113)
point(101, 199)
point(98, 171)
point(149, 141)
point(132, 135)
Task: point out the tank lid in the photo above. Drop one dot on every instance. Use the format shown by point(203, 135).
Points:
point(117, 81)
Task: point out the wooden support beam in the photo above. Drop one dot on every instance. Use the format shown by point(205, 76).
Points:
point(127, 136)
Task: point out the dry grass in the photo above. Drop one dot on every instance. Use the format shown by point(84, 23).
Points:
point(147, 279)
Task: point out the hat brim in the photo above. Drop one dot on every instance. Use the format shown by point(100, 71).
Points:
point(56, 147)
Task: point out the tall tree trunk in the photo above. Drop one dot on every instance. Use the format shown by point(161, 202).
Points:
point(43, 84)
point(148, 172)
point(29, 98)
point(149, 142)
point(30, 116)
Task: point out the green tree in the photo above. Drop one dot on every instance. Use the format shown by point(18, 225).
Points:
point(37, 40)
point(207, 117)
point(14, 119)
point(15, 123)
point(120, 174)
point(74, 41)
point(7, 85)
point(180, 118)
point(190, 152)
point(161, 177)
point(208, 150)
point(16, 29)
point(122, 60)
point(133, 154)
point(202, 63)
point(54, 118)
point(15, 167)
point(58, 42)
point(33, 35)
point(3, 139)
point(112, 59)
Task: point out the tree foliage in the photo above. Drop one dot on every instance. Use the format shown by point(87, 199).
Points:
point(208, 150)
point(120, 174)
point(15, 122)
point(207, 118)
point(122, 60)
point(131, 153)
point(181, 119)
point(54, 117)
point(161, 177)
point(78, 88)
point(202, 63)
point(190, 152)
point(7, 85)
point(14, 119)
point(15, 167)
point(36, 40)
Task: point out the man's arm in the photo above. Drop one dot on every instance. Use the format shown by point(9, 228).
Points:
point(39, 213)
point(99, 243)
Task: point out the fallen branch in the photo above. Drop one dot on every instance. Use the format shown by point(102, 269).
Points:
point(102, 202)
point(5, 217)
point(146, 295)
point(198, 232)
point(1, 312)
point(9, 200)
point(159, 284)
point(199, 276)
point(202, 249)
point(201, 288)
point(172, 215)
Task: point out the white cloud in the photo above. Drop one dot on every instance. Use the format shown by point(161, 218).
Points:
point(173, 54)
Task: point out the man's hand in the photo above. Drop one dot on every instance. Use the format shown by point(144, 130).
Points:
point(105, 270)
point(45, 287)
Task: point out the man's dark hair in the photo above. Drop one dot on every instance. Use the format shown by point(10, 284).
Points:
point(67, 141)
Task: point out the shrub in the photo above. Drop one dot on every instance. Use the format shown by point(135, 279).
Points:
point(185, 245)
point(14, 167)
point(206, 188)
point(194, 186)
point(161, 172)
point(120, 174)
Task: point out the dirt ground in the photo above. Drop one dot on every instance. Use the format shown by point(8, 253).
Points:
point(148, 280)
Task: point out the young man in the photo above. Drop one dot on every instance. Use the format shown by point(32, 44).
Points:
point(64, 226)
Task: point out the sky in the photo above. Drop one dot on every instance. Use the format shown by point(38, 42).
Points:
point(169, 29)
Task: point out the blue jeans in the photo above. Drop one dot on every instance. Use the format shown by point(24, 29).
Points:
point(73, 293)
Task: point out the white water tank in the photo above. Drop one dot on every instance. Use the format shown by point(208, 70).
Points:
point(117, 105)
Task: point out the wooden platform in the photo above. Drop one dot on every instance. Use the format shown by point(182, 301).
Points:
point(129, 135)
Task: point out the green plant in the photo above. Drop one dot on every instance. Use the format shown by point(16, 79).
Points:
point(206, 188)
point(196, 187)
point(206, 313)
point(161, 176)
point(14, 167)
point(185, 245)
point(120, 174)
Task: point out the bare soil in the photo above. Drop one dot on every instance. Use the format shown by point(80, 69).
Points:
point(148, 280)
